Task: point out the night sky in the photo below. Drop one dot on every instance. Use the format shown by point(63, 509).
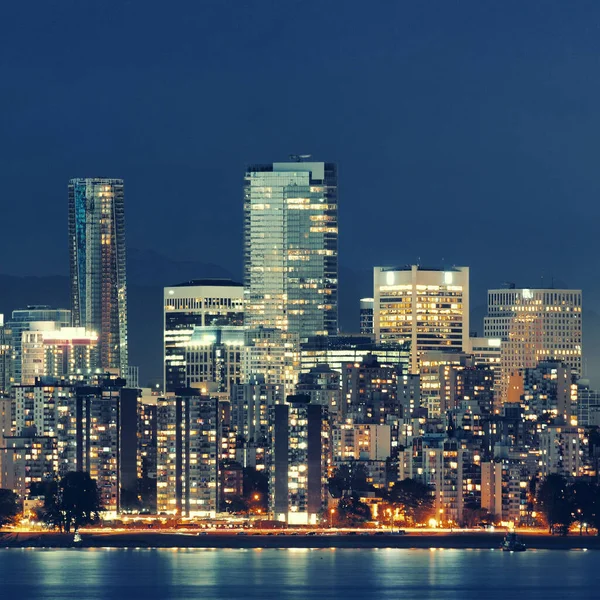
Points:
point(466, 133)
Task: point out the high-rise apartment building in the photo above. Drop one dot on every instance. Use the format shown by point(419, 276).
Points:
point(323, 386)
point(438, 380)
point(98, 433)
point(187, 454)
point(487, 352)
point(549, 392)
point(25, 461)
point(95, 428)
point(370, 392)
point(291, 247)
point(97, 253)
point(272, 353)
point(250, 406)
point(534, 325)
point(22, 319)
point(5, 356)
point(428, 307)
point(366, 316)
point(197, 303)
point(298, 457)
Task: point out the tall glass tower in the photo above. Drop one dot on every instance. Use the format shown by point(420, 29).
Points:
point(291, 247)
point(97, 252)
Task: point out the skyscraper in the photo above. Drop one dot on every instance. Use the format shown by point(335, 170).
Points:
point(298, 452)
point(291, 247)
point(5, 356)
point(198, 303)
point(534, 325)
point(97, 252)
point(187, 454)
point(428, 307)
point(366, 316)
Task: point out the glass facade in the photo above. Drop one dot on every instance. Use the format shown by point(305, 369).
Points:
point(198, 303)
point(291, 247)
point(97, 253)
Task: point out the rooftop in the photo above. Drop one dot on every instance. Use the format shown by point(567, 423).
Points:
point(223, 282)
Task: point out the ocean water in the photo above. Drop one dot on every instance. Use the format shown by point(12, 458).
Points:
point(88, 574)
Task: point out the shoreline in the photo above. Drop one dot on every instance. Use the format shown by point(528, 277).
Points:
point(156, 540)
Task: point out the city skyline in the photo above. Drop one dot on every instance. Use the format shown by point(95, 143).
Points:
point(321, 275)
point(471, 326)
point(410, 125)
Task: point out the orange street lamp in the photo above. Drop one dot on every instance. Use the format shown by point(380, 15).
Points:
point(331, 517)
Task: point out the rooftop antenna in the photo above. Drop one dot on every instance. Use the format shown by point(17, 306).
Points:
point(300, 157)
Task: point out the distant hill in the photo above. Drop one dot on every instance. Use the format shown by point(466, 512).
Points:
point(149, 272)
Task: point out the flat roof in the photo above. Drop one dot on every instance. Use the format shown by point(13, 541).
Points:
point(223, 282)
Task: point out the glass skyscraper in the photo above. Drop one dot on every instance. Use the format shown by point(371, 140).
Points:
point(291, 247)
point(97, 252)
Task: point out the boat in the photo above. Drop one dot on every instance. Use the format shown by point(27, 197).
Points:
point(511, 543)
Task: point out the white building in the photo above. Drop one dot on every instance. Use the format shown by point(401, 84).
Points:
point(366, 316)
point(534, 325)
point(49, 350)
point(361, 442)
point(214, 355)
point(429, 307)
point(201, 303)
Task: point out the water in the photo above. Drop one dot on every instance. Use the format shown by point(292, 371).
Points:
point(297, 574)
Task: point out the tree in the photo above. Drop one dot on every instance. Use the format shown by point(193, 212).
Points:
point(256, 490)
point(50, 512)
point(80, 501)
point(413, 498)
point(235, 505)
point(9, 506)
point(554, 502)
point(351, 512)
point(350, 477)
point(585, 498)
point(71, 502)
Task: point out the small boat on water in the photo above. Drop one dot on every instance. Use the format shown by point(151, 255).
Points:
point(511, 543)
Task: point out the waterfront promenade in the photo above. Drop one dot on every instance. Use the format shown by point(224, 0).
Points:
point(325, 539)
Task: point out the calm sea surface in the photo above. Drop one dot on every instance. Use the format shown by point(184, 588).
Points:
point(297, 574)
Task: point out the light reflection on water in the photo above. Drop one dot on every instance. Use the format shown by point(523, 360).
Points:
point(296, 573)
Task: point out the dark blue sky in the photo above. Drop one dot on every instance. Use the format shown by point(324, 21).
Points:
point(465, 132)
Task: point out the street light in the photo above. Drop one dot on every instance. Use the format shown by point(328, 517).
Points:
point(331, 517)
